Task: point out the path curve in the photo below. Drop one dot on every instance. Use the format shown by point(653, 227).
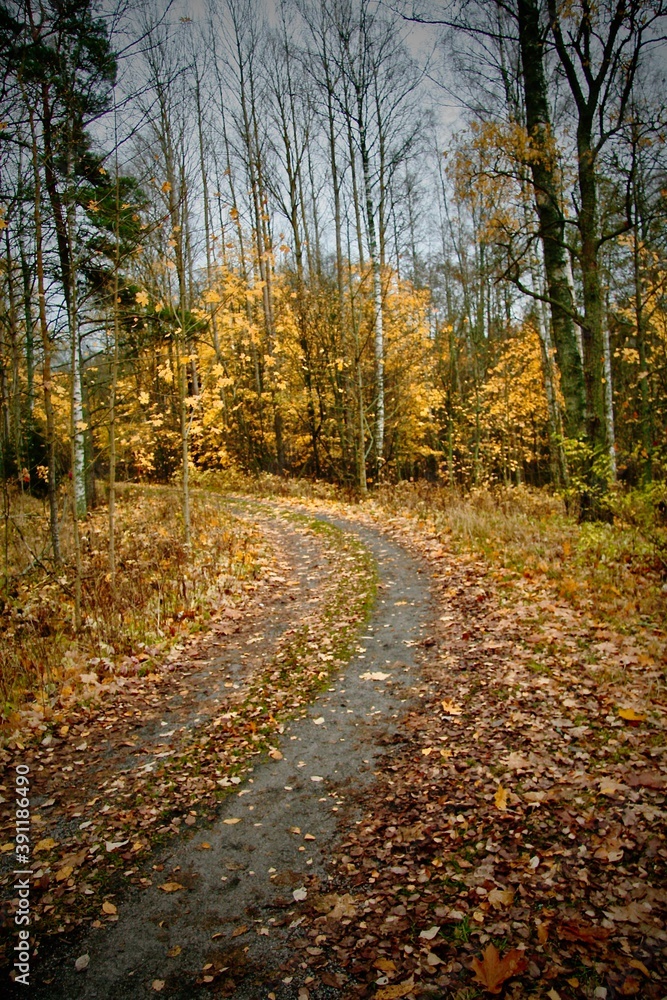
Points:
point(237, 911)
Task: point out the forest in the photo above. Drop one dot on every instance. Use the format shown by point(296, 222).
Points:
point(283, 282)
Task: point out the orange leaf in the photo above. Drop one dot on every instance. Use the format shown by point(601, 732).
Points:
point(492, 971)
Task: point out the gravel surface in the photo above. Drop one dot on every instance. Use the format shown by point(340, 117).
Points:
point(272, 838)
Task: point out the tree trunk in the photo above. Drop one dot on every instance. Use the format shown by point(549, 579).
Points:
point(550, 217)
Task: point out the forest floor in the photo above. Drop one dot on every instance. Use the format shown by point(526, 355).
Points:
point(437, 779)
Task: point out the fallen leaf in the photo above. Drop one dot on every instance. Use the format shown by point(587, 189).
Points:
point(175, 951)
point(630, 715)
point(108, 907)
point(171, 886)
point(430, 933)
point(316, 777)
point(64, 873)
point(243, 929)
point(343, 907)
point(373, 675)
point(647, 779)
point(500, 798)
point(232, 820)
point(492, 970)
point(205, 846)
point(319, 722)
point(113, 845)
point(158, 985)
point(634, 963)
point(300, 894)
point(574, 930)
point(394, 992)
point(451, 708)
point(500, 897)
point(45, 845)
point(82, 962)
point(630, 987)
point(275, 754)
point(633, 913)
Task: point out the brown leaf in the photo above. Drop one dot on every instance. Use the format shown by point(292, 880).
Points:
point(647, 779)
point(500, 897)
point(492, 971)
point(171, 886)
point(243, 929)
point(109, 908)
point(630, 987)
point(574, 930)
point(175, 951)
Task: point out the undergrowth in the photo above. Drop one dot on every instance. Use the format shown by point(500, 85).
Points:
point(617, 569)
point(161, 590)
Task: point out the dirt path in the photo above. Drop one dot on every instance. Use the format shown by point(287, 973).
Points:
point(231, 922)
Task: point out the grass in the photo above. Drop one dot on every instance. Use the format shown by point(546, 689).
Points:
point(162, 591)
point(615, 569)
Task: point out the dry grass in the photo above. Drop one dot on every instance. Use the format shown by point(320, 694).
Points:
point(613, 569)
point(161, 589)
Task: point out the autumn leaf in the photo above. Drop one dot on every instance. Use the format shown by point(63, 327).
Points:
point(158, 985)
point(500, 798)
point(45, 845)
point(397, 991)
point(575, 930)
point(109, 908)
point(451, 708)
point(166, 187)
point(492, 970)
point(500, 897)
point(175, 951)
point(630, 715)
point(141, 298)
point(82, 962)
point(171, 886)
point(232, 820)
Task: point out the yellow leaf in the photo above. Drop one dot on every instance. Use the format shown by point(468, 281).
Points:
point(232, 820)
point(158, 985)
point(171, 886)
point(630, 715)
point(173, 952)
point(109, 908)
point(394, 992)
point(9, 846)
point(451, 708)
point(64, 873)
point(500, 798)
point(45, 845)
point(142, 298)
point(166, 187)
